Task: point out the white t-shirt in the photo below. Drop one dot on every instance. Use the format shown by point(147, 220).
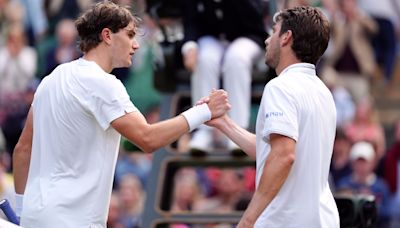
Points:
point(298, 105)
point(74, 148)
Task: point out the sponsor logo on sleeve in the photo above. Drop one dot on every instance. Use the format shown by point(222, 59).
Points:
point(273, 114)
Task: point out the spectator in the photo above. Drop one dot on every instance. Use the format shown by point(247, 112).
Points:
point(64, 49)
point(35, 20)
point(366, 127)
point(17, 62)
point(114, 212)
point(132, 199)
point(17, 69)
point(56, 10)
point(352, 55)
point(222, 38)
point(3, 20)
point(15, 119)
point(363, 180)
point(230, 191)
point(132, 162)
point(187, 194)
point(11, 13)
point(392, 173)
point(340, 164)
point(387, 16)
point(345, 107)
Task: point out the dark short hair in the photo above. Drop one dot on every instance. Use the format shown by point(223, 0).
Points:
point(102, 15)
point(310, 29)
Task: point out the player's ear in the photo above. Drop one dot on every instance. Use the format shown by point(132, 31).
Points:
point(105, 35)
point(287, 37)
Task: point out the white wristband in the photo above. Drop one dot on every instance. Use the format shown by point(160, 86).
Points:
point(187, 46)
point(197, 115)
point(18, 204)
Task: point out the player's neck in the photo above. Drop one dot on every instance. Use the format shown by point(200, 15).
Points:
point(286, 62)
point(100, 58)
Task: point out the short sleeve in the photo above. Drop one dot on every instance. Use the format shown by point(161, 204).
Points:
point(110, 101)
point(280, 113)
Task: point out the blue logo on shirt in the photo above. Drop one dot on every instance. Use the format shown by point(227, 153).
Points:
point(274, 114)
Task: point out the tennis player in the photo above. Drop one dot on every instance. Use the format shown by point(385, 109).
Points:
point(65, 159)
point(295, 130)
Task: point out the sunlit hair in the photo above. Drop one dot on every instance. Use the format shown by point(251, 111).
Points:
point(102, 15)
point(310, 29)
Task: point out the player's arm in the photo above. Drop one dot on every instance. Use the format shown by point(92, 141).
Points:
point(150, 137)
point(243, 138)
point(275, 173)
point(22, 155)
point(21, 161)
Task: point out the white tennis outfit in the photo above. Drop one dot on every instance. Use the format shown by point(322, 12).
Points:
point(298, 105)
point(74, 148)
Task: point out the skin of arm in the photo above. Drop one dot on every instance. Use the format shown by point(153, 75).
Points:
point(150, 137)
point(243, 138)
point(22, 155)
point(275, 173)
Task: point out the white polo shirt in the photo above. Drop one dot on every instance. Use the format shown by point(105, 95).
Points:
point(74, 148)
point(298, 105)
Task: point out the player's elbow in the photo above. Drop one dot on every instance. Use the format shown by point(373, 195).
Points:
point(289, 159)
point(149, 144)
point(286, 159)
point(148, 149)
point(287, 154)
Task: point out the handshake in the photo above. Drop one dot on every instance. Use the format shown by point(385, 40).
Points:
point(207, 109)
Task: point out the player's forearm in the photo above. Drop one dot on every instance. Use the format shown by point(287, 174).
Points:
point(243, 138)
point(21, 161)
point(275, 173)
point(164, 133)
point(22, 155)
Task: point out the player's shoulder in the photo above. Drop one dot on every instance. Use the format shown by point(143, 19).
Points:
point(90, 72)
point(281, 83)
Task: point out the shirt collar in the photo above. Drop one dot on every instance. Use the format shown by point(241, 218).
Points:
point(307, 68)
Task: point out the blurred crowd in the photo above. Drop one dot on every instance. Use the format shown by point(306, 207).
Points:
point(37, 36)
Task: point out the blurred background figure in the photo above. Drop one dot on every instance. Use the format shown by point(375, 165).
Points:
point(132, 198)
point(132, 161)
point(64, 49)
point(351, 55)
point(340, 164)
point(114, 212)
point(364, 181)
point(392, 174)
point(366, 126)
point(387, 15)
point(35, 22)
point(222, 39)
point(56, 10)
point(11, 13)
point(15, 120)
point(345, 107)
point(230, 189)
point(18, 64)
point(187, 193)
point(3, 20)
